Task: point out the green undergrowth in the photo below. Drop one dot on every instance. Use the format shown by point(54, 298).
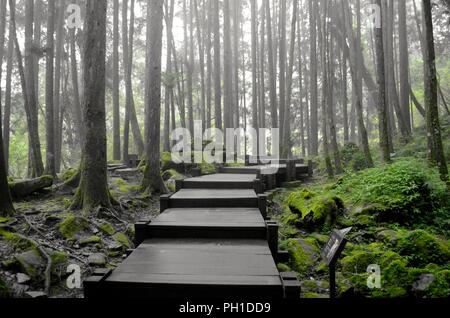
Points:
point(399, 214)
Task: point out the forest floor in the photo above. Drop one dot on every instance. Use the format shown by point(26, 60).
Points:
point(69, 238)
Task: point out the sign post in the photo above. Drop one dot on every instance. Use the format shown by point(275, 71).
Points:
point(331, 253)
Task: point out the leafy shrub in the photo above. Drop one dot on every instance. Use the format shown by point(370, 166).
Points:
point(405, 191)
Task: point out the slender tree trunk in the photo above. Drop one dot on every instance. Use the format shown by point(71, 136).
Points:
point(344, 95)
point(314, 133)
point(116, 82)
point(262, 75)
point(381, 81)
point(287, 114)
point(168, 85)
point(33, 123)
point(201, 54)
point(50, 168)
point(152, 181)
point(272, 77)
point(227, 72)
point(57, 87)
point(322, 27)
point(435, 149)
point(404, 64)
point(209, 65)
point(6, 206)
point(217, 67)
point(282, 76)
point(236, 30)
point(76, 104)
point(254, 36)
point(7, 112)
point(93, 190)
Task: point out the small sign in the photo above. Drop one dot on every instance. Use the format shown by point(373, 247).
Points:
point(335, 246)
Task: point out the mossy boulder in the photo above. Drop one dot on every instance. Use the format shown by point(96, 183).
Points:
point(172, 174)
point(304, 253)
point(315, 210)
point(107, 228)
point(283, 267)
point(122, 239)
point(92, 240)
point(68, 174)
point(422, 248)
point(17, 242)
point(74, 227)
point(124, 187)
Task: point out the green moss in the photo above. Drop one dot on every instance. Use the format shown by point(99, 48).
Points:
point(4, 290)
point(91, 240)
point(68, 174)
point(440, 287)
point(309, 295)
point(303, 254)
point(122, 239)
point(172, 174)
point(313, 209)
point(207, 168)
point(124, 187)
point(107, 228)
point(72, 225)
point(283, 267)
point(17, 242)
point(422, 248)
point(4, 219)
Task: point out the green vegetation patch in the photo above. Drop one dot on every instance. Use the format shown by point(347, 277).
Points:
point(73, 226)
point(121, 238)
point(303, 253)
point(107, 228)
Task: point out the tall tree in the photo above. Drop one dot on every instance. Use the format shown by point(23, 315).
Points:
point(271, 65)
point(404, 63)
point(152, 181)
point(8, 89)
point(254, 37)
point(50, 167)
point(287, 113)
point(262, 59)
point(435, 149)
point(228, 101)
point(209, 64)
point(31, 104)
point(93, 189)
point(217, 67)
point(201, 55)
point(116, 82)
point(168, 81)
point(6, 206)
point(282, 75)
point(381, 81)
point(314, 133)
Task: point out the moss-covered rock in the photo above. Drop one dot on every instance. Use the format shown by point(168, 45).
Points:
point(121, 238)
point(92, 240)
point(422, 248)
point(73, 227)
point(16, 241)
point(314, 210)
point(68, 174)
point(124, 187)
point(107, 228)
point(303, 253)
point(283, 267)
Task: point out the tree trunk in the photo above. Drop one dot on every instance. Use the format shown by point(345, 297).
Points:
point(254, 37)
point(236, 30)
point(227, 72)
point(209, 65)
point(93, 190)
point(282, 77)
point(217, 67)
point(404, 64)
point(152, 181)
point(76, 106)
point(116, 82)
point(168, 85)
point(6, 206)
point(381, 81)
point(435, 149)
point(262, 75)
point(7, 111)
point(32, 114)
point(272, 77)
point(50, 168)
point(21, 189)
point(314, 120)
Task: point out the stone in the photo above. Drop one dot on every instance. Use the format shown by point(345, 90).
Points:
point(97, 259)
point(35, 294)
point(22, 278)
point(425, 280)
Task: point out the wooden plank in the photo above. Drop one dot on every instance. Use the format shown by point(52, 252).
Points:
point(213, 198)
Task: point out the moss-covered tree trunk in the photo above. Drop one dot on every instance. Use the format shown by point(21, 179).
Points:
point(93, 188)
point(152, 176)
point(435, 149)
point(6, 206)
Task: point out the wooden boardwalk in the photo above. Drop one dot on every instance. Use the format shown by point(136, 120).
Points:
point(212, 239)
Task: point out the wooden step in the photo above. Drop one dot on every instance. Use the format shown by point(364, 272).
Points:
point(192, 268)
point(207, 223)
point(220, 181)
point(213, 198)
